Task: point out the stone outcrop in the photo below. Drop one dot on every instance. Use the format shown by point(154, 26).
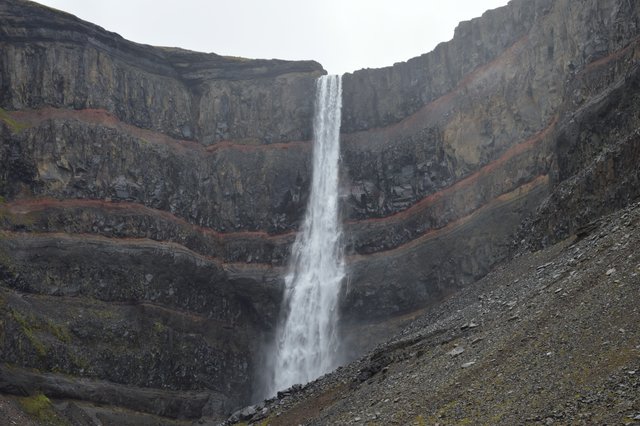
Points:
point(150, 196)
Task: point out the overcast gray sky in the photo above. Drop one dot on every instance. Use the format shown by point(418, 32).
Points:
point(343, 35)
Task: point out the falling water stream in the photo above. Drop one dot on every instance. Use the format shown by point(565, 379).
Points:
point(306, 343)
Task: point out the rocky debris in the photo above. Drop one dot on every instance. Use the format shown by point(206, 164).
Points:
point(564, 361)
point(245, 414)
point(456, 351)
point(471, 325)
point(585, 230)
point(477, 340)
point(290, 391)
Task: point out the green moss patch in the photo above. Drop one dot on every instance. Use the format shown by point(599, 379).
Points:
point(39, 407)
point(60, 332)
point(158, 327)
point(13, 124)
point(33, 329)
point(28, 329)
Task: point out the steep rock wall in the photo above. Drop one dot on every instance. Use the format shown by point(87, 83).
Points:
point(148, 197)
point(157, 191)
point(491, 132)
point(54, 59)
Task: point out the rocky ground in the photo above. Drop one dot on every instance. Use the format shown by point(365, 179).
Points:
point(550, 337)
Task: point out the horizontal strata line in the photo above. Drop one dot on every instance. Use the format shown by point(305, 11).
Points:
point(615, 55)
point(103, 117)
point(229, 267)
point(32, 205)
point(27, 206)
point(467, 181)
point(65, 113)
point(431, 234)
point(232, 267)
point(83, 389)
point(193, 317)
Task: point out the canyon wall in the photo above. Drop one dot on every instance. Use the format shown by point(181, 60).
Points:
point(447, 153)
point(150, 196)
point(148, 199)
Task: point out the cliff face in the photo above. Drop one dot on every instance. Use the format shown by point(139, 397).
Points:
point(147, 199)
point(54, 59)
point(447, 153)
point(149, 196)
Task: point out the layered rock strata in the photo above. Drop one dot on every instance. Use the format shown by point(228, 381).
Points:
point(499, 134)
point(140, 262)
point(154, 193)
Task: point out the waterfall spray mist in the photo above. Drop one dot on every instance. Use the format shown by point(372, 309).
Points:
point(306, 343)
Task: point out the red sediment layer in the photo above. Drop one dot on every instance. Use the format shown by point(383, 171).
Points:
point(452, 226)
point(137, 242)
point(104, 118)
point(239, 266)
point(31, 205)
point(467, 181)
point(446, 99)
point(613, 56)
point(26, 206)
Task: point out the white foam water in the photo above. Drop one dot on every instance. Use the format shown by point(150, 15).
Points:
point(306, 345)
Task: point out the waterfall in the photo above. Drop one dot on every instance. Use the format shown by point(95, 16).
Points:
point(306, 340)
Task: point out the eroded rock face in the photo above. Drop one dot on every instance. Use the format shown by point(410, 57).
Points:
point(136, 248)
point(90, 155)
point(154, 193)
point(520, 121)
point(480, 94)
point(54, 59)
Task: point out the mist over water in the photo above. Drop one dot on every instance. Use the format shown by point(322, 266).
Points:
point(306, 345)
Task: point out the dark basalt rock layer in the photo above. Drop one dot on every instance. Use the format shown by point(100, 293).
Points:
point(54, 59)
point(149, 196)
